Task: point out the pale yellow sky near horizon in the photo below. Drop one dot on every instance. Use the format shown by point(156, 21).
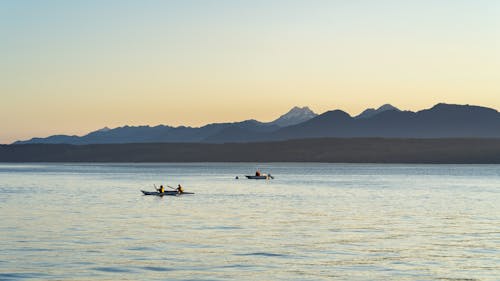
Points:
point(77, 66)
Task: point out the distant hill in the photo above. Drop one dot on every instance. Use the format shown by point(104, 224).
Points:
point(440, 121)
point(370, 112)
point(208, 133)
point(157, 134)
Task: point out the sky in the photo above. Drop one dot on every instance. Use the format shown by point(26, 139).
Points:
point(71, 67)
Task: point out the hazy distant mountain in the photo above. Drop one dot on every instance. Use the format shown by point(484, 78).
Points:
point(335, 122)
point(158, 134)
point(55, 139)
point(105, 129)
point(440, 121)
point(124, 134)
point(295, 116)
point(240, 134)
point(370, 112)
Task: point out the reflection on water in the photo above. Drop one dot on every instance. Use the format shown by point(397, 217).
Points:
point(313, 222)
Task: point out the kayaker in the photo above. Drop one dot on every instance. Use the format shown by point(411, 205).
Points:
point(180, 189)
point(162, 189)
point(257, 173)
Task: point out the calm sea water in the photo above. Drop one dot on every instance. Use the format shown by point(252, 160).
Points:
point(312, 222)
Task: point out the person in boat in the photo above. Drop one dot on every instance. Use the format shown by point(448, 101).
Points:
point(161, 189)
point(257, 173)
point(180, 189)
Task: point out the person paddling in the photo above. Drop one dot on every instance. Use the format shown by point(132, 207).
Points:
point(162, 189)
point(180, 189)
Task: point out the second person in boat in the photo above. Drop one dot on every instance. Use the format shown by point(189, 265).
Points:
point(180, 189)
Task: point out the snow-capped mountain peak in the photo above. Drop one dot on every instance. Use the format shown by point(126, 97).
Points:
point(296, 115)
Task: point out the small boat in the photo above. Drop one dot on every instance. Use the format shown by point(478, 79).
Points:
point(263, 177)
point(166, 192)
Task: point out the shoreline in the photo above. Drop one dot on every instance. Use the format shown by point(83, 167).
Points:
point(320, 150)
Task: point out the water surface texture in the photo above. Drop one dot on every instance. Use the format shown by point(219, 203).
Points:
point(312, 222)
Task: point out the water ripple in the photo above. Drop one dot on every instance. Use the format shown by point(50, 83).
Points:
point(156, 268)
point(22, 275)
point(112, 269)
point(313, 222)
point(264, 254)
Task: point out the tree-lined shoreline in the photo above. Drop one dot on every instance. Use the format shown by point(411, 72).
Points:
point(328, 150)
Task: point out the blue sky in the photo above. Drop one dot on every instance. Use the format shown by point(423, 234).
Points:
point(75, 66)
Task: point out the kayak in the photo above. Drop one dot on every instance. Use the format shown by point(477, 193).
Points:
point(260, 177)
point(167, 192)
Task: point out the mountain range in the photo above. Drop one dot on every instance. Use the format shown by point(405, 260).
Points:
point(440, 121)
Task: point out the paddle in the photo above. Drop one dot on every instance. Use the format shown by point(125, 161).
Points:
point(157, 189)
point(175, 189)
